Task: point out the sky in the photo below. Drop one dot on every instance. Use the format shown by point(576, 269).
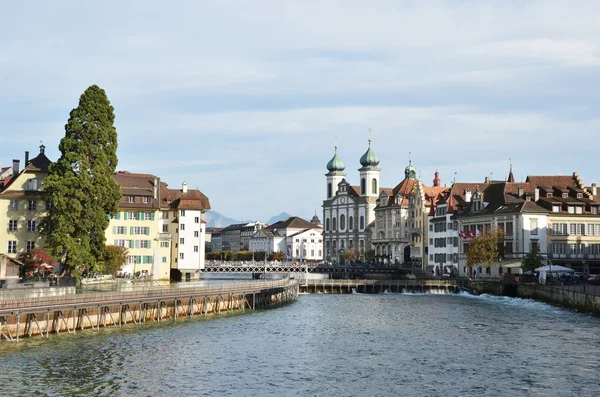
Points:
point(246, 99)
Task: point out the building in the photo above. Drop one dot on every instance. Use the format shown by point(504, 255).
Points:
point(296, 238)
point(214, 241)
point(182, 217)
point(162, 228)
point(236, 237)
point(348, 210)
point(22, 204)
point(136, 227)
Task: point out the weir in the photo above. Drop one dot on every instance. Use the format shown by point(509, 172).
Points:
point(34, 316)
point(381, 286)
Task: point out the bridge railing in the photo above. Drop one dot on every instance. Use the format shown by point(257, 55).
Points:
point(8, 305)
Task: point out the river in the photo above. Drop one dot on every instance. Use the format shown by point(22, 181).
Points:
point(325, 345)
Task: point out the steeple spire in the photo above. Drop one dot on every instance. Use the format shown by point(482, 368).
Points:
point(511, 177)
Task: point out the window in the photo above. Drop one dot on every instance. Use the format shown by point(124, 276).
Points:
point(509, 229)
point(571, 209)
point(165, 214)
point(579, 195)
point(509, 247)
point(119, 229)
point(164, 259)
point(181, 255)
point(342, 222)
point(327, 224)
point(565, 195)
point(533, 226)
point(146, 200)
point(195, 248)
point(164, 244)
point(140, 230)
point(32, 205)
point(128, 216)
point(182, 213)
point(590, 230)
point(12, 247)
point(147, 216)
point(131, 199)
point(350, 223)
point(556, 208)
point(30, 245)
point(196, 233)
point(165, 229)
point(181, 240)
point(594, 209)
point(32, 184)
point(13, 205)
point(579, 210)
point(144, 244)
point(30, 225)
point(559, 248)
point(334, 224)
point(549, 195)
point(329, 192)
point(362, 222)
point(374, 186)
point(12, 225)
point(182, 226)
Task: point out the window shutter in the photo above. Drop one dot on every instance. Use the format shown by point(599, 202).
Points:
point(137, 243)
point(130, 243)
point(125, 230)
point(149, 243)
point(118, 214)
point(139, 259)
point(114, 230)
point(130, 229)
point(152, 216)
point(147, 230)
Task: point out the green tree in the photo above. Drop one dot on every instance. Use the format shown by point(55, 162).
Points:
point(532, 260)
point(276, 256)
point(351, 255)
point(370, 256)
point(80, 186)
point(114, 259)
point(486, 249)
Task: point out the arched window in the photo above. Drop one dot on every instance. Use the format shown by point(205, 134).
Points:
point(350, 223)
point(342, 222)
point(329, 192)
point(334, 226)
point(363, 186)
point(362, 223)
point(374, 186)
point(342, 244)
point(327, 224)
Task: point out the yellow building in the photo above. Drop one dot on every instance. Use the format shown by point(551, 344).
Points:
point(136, 227)
point(22, 205)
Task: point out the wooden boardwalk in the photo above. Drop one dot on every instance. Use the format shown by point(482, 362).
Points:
point(42, 316)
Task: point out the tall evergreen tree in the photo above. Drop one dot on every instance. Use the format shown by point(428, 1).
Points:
point(80, 186)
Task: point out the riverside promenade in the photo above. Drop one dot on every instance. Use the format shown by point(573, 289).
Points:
point(42, 316)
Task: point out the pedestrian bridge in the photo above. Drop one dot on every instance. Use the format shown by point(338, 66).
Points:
point(289, 267)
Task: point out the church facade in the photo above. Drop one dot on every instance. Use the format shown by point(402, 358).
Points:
point(349, 210)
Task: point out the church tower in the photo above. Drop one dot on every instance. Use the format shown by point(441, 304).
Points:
point(369, 174)
point(335, 175)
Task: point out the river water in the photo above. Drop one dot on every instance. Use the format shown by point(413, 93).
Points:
point(325, 345)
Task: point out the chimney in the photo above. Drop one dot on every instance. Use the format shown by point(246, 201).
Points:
point(184, 187)
point(155, 188)
point(468, 196)
point(16, 163)
point(521, 191)
point(594, 189)
point(487, 180)
point(536, 196)
point(26, 158)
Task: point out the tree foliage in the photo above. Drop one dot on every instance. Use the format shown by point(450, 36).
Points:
point(276, 256)
point(34, 259)
point(486, 249)
point(532, 260)
point(114, 259)
point(80, 186)
point(351, 255)
point(370, 255)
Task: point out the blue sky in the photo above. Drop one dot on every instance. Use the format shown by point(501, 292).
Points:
point(245, 99)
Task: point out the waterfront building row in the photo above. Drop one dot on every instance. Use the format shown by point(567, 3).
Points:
point(429, 227)
point(162, 228)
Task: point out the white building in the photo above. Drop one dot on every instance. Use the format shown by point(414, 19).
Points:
point(294, 237)
point(349, 210)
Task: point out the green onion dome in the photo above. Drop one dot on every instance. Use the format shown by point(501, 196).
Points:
point(369, 158)
point(335, 164)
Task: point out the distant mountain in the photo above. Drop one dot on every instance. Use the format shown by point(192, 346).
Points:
point(214, 219)
point(280, 217)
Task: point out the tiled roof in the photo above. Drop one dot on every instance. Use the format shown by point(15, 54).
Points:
point(38, 163)
point(551, 180)
point(293, 222)
point(193, 199)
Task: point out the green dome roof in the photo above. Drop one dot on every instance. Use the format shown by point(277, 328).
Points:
point(410, 171)
point(369, 158)
point(335, 164)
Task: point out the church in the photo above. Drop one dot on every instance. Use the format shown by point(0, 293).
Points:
point(348, 210)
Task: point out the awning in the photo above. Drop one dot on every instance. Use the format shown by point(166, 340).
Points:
point(512, 265)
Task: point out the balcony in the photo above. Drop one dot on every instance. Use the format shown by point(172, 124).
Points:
point(416, 230)
point(164, 236)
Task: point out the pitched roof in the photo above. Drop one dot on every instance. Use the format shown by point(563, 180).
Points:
point(193, 199)
point(293, 222)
